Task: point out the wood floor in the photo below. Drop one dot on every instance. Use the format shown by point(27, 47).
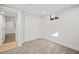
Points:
point(9, 42)
point(9, 38)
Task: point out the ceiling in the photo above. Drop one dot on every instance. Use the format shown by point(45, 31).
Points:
point(8, 11)
point(41, 9)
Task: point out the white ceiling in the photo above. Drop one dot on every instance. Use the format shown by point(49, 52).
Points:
point(8, 11)
point(41, 9)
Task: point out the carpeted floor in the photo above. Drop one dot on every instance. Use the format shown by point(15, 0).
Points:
point(40, 46)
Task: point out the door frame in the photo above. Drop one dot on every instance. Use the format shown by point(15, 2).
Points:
point(19, 26)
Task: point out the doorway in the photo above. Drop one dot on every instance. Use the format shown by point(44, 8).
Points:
point(8, 29)
point(10, 26)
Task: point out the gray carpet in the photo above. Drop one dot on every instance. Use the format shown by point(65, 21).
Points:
point(40, 46)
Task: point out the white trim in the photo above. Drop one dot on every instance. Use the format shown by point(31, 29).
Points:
point(19, 29)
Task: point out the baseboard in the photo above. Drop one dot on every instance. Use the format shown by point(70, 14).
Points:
point(61, 44)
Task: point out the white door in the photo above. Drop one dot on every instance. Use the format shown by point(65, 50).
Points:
point(2, 29)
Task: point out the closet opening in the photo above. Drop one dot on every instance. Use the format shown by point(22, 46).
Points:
point(8, 26)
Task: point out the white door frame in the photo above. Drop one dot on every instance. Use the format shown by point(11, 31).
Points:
point(3, 28)
point(19, 26)
point(1, 34)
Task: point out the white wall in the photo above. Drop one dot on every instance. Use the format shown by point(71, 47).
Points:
point(9, 24)
point(67, 26)
point(32, 27)
point(43, 27)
